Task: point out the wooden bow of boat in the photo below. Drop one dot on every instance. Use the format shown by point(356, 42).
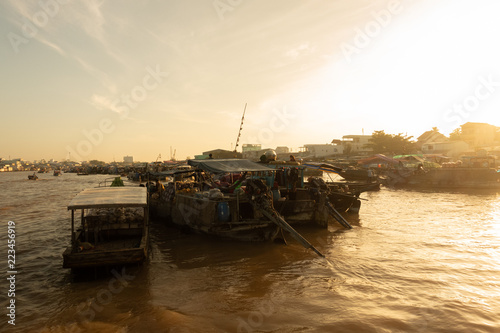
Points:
point(319, 188)
point(261, 200)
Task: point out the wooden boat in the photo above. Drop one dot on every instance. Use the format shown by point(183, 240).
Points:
point(355, 186)
point(32, 177)
point(341, 198)
point(57, 173)
point(357, 174)
point(445, 178)
point(113, 228)
point(220, 212)
point(243, 211)
point(323, 167)
point(360, 187)
point(136, 176)
point(227, 208)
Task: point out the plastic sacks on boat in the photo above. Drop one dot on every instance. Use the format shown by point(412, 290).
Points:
point(215, 193)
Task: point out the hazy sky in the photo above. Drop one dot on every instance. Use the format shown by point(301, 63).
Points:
point(105, 79)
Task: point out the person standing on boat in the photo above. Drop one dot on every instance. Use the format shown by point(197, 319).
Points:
point(371, 178)
point(159, 187)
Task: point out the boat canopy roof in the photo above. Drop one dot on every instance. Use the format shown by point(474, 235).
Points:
point(227, 165)
point(110, 197)
point(378, 158)
point(172, 172)
point(323, 167)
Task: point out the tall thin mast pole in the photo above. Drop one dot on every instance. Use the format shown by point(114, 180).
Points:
point(241, 127)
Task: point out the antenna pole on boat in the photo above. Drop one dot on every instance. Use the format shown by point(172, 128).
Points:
point(241, 127)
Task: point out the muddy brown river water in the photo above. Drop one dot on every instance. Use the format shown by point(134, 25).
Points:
point(415, 261)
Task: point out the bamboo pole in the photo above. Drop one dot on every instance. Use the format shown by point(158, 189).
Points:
point(280, 221)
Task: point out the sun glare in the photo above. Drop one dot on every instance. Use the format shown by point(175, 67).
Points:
point(416, 74)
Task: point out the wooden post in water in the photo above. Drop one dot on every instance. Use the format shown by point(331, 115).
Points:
point(73, 240)
point(86, 232)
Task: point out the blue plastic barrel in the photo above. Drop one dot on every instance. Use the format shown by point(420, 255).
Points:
point(223, 211)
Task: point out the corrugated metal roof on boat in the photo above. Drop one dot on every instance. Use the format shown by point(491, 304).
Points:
point(109, 197)
point(227, 165)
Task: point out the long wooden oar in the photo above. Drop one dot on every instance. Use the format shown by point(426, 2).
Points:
point(336, 215)
point(262, 201)
point(280, 221)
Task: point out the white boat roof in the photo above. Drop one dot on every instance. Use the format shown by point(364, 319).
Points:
point(110, 197)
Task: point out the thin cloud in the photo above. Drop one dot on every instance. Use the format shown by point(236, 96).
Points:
point(85, 18)
point(100, 75)
point(105, 103)
point(53, 46)
point(299, 51)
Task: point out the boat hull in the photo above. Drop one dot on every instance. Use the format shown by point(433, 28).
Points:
point(454, 178)
point(202, 215)
point(130, 248)
point(103, 258)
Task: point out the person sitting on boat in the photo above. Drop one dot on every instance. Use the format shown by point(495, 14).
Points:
point(221, 184)
point(150, 186)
